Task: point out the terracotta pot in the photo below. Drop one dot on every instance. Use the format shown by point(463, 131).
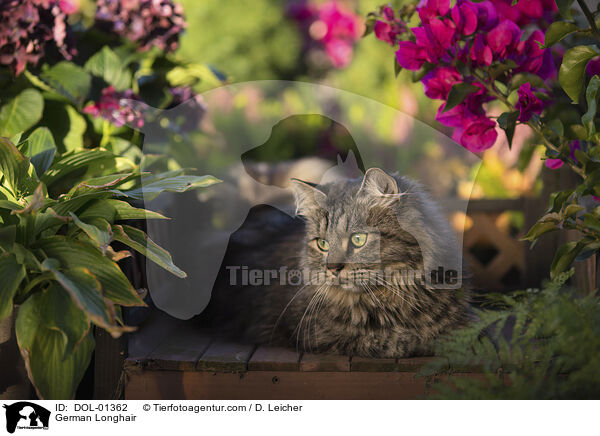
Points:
point(14, 384)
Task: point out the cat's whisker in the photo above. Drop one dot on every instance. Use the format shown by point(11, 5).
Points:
point(285, 309)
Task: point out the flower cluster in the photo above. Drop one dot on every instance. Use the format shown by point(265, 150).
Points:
point(330, 26)
point(147, 22)
point(113, 106)
point(478, 37)
point(29, 29)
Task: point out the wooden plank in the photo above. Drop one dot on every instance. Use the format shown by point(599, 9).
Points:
point(179, 351)
point(366, 364)
point(324, 362)
point(274, 385)
point(108, 366)
point(225, 356)
point(412, 363)
point(274, 359)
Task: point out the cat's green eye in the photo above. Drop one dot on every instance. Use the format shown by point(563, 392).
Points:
point(322, 244)
point(358, 239)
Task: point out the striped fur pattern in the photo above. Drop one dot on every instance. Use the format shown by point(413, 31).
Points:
point(342, 313)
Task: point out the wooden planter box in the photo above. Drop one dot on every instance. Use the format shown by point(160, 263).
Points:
point(191, 366)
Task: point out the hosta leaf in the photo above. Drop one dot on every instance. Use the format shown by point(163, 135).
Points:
point(73, 140)
point(125, 211)
point(101, 236)
point(11, 276)
point(140, 242)
point(557, 31)
point(98, 209)
point(40, 147)
point(107, 65)
point(21, 113)
point(77, 254)
point(14, 166)
point(150, 191)
point(85, 290)
point(571, 75)
point(73, 161)
point(69, 80)
point(74, 204)
point(102, 183)
point(55, 341)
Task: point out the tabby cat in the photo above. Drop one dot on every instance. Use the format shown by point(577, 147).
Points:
point(345, 234)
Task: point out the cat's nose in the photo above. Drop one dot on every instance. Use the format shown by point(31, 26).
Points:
point(335, 268)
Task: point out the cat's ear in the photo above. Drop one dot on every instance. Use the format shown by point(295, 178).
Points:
point(308, 197)
point(378, 182)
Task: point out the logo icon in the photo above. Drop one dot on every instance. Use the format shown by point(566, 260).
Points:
point(26, 415)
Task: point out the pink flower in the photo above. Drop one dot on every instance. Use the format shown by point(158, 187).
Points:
point(528, 103)
point(410, 56)
point(481, 54)
point(435, 37)
point(479, 135)
point(464, 15)
point(536, 60)
point(68, 6)
point(593, 67)
point(388, 30)
point(339, 52)
point(113, 109)
point(487, 17)
point(557, 163)
point(429, 9)
point(438, 82)
point(504, 38)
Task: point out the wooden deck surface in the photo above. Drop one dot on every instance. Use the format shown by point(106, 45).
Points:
point(186, 363)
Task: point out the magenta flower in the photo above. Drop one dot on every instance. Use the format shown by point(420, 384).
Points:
point(536, 60)
point(388, 30)
point(481, 54)
point(429, 9)
point(557, 163)
point(464, 15)
point(479, 135)
point(526, 11)
point(528, 103)
point(487, 17)
point(437, 82)
point(593, 67)
point(113, 109)
point(410, 56)
point(435, 37)
point(504, 38)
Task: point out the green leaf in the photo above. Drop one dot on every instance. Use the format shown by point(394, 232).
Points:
point(458, 93)
point(102, 237)
point(69, 80)
point(397, 68)
point(533, 79)
point(85, 290)
point(11, 276)
point(571, 75)
point(591, 95)
point(73, 140)
point(140, 242)
point(508, 121)
point(125, 211)
point(21, 113)
point(41, 148)
point(14, 166)
point(77, 254)
point(8, 236)
point(591, 222)
point(73, 161)
point(564, 7)
point(150, 191)
point(557, 31)
point(564, 257)
point(538, 230)
point(107, 65)
point(55, 341)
